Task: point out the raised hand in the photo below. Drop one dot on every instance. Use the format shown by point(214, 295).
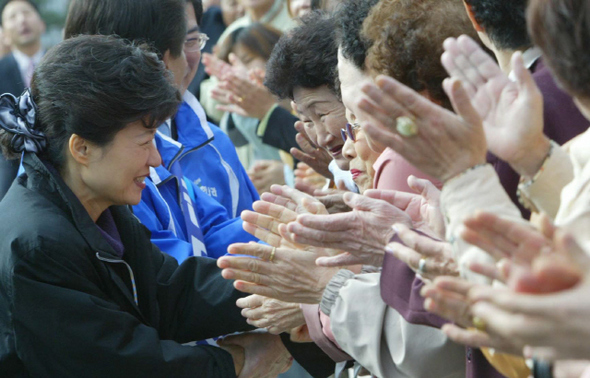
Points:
point(423, 208)
point(265, 173)
point(246, 98)
point(315, 157)
point(363, 232)
point(449, 143)
point(512, 111)
point(274, 315)
point(448, 298)
point(438, 254)
point(553, 325)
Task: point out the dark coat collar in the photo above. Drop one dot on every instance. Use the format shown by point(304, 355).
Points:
point(45, 179)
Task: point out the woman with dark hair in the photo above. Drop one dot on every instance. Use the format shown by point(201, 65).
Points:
point(83, 291)
point(252, 47)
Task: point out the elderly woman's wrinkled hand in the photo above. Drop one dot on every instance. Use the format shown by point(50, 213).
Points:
point(317, 158)
point(447, 297)
point(554, 325)
point(274, 315)
point(427, 257)
point(512, 110)
point(449, 143)
point(363, 232)
point(289, 275)
point(423, 208)
point(502, 238)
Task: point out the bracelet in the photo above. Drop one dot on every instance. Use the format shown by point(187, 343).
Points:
point(465, 172)
point(524, 184)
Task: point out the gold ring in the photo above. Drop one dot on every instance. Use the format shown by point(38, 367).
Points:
point(421, 266)
point(272, 254)
point(240, 99)
point(406, 126)
point(479, 323)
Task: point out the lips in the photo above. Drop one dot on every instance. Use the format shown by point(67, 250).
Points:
point(140, 181)
point(335, 151)
point(356, 173)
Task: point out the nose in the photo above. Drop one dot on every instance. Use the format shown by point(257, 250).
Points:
point(323, 136)
point(154, 159)
point(348, 150)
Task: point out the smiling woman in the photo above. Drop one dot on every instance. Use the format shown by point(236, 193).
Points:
point(78, 271)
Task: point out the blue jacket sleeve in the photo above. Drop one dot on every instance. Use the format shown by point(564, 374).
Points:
point(154, 213)
point(218, 228)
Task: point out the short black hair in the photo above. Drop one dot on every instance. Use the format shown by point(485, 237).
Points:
point(350, 16)
point(160, 23)
point(198, 5)
point(305, 57)
point(504, 21)
point(94, 86)
point(560, 29)
point(5, 3)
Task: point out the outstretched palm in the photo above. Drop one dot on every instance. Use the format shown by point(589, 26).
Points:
point(512, 111)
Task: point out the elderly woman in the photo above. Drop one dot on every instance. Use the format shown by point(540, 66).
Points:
point(84, 291)
point(359, 330)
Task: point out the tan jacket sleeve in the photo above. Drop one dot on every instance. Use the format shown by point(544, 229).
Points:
point(380, 339)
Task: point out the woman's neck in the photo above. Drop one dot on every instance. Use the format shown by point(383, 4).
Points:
point(93, 205)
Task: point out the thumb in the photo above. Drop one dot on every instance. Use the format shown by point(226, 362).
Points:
point(343, 259)
point(425, 188)
point(462, 102)
point(524, 79)
point(566, 244)
point(356, 201)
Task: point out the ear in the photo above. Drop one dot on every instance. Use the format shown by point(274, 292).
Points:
point(166, 58)
point(79, 149)
point(476, 25)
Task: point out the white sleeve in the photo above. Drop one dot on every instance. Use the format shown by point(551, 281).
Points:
point(380, 339)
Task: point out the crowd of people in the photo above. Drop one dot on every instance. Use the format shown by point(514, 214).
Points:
point(296, 188)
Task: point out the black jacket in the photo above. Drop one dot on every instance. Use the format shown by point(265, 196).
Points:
point(67, 303)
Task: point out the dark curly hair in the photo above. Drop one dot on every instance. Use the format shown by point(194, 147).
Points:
point(503, 21)
point(161, 23)
point(350, 17)
point(561, 28)
point(305, 57)
point(93, 86)
point(407, 40)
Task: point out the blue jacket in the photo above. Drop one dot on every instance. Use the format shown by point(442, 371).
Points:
point(209, 159)
point(160, 210)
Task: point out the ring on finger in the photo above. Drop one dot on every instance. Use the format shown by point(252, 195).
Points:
point(406, 126)
point(272, 254)
point(421, 266)
point(240, 99)
point(479, 323)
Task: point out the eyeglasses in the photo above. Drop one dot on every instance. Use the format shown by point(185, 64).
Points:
point(349, 131)
point(196, 43)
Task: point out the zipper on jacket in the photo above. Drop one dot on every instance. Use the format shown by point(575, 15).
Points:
point(98, 256)
point(183, 153)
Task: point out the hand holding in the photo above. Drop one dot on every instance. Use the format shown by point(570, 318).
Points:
point(274, 315)
point(265, 354)
point(289, 275)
